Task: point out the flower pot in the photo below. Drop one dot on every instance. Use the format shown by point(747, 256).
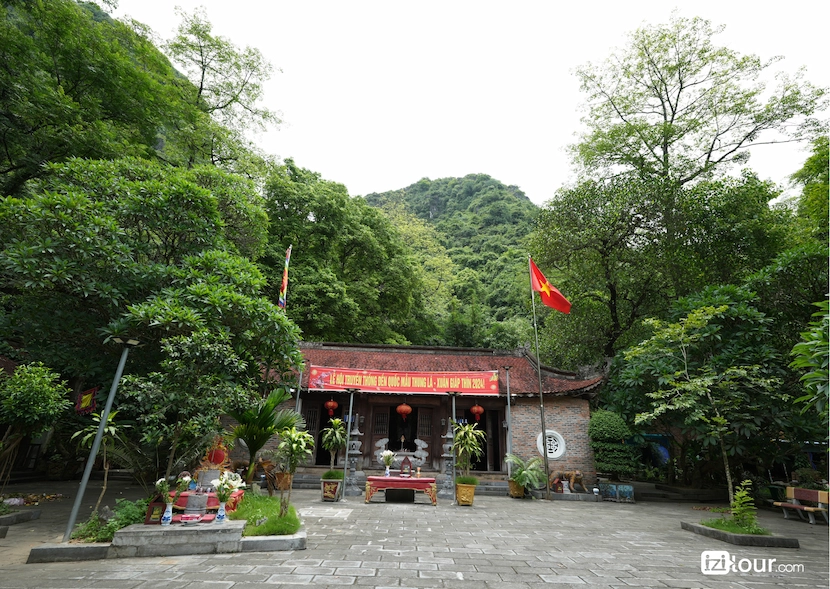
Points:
point(331, 489)
point(464, 494)
point(516, 490)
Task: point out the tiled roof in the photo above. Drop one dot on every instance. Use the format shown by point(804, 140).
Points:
point(523, 376)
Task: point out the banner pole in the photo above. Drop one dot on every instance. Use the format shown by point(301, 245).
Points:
point(541, 394)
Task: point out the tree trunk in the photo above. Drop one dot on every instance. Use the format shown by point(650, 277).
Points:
point(726, 468)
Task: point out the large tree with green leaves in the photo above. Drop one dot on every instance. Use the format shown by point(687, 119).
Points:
point(351, 274)
point(75, 83)
point(224, 85)
point(599, 243)
point(674, 106)
point(711, 378)
point(94, 237)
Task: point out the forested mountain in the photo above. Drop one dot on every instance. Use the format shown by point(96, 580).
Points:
point(481, 225)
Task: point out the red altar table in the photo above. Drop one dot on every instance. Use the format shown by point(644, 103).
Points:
point(425, 484)
point(156, 507)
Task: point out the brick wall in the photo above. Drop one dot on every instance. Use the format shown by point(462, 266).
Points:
point(566, 415)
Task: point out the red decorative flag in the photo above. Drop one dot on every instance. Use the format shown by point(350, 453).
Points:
point(85, 403)
point(549, 294)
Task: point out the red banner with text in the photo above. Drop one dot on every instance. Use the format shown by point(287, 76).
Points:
point(326, 378)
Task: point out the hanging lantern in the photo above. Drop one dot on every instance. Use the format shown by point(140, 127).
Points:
point(404, 410)
point(477, 410)
point(331, 405)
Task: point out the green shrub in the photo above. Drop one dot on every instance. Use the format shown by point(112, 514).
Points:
point(261, 513)
point(332, 475)
point(608, 431)
point(466, 480)
point(5, 508)
point(125, 514)
point(607, 426)
point(809, 479)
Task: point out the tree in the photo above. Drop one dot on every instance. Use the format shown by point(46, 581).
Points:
point(601, 238)
point(814, 178)
point(31, 399)
point(225, 85)
point(674, 107)
point(468, 445)
point(75, 83)
point(812, 354)
point(710, 373)
point(110, 437)
point(334, 438)
point(352, 277)
point(295, 447)
point(94, 237)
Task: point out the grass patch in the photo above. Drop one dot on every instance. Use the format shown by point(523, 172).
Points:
point(261, 513)
point(466, 480)
point(729, 525)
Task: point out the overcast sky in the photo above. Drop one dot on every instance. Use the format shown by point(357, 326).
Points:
point(377, 95)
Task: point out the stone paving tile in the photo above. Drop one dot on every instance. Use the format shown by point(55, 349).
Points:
point(500, 544)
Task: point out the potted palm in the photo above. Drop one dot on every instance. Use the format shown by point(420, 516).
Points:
point(334, 440)
point(468, 445)
point(525, 475)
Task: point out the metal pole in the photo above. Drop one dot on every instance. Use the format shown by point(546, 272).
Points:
point(96, 444)
point(509, 418)
point(299, 389)
point(453, 441)
point(346, 451)
point(541, 395)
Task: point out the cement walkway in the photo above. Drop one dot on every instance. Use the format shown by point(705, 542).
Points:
point(499, 543)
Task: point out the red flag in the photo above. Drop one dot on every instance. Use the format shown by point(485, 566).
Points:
point(549, 294)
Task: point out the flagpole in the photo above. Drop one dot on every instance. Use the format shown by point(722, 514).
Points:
point(541, 395)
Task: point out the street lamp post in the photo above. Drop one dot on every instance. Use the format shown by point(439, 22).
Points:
point(96, 444)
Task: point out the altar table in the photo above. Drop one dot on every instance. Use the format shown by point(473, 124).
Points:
point(425, 484)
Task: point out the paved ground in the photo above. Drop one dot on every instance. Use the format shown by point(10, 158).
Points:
point(499, 543)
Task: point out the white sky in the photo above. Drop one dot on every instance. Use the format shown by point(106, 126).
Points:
point(377, 95)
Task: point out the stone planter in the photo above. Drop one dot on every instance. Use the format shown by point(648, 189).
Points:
point(515, 489)
point(332, 489)
point(464, 494)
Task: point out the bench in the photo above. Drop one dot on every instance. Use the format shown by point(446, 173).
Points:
point(426, 484)
point(795, 495)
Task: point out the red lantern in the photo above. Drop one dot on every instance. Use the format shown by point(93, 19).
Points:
point(404, 410)
point(477, 410)
point(331, 405)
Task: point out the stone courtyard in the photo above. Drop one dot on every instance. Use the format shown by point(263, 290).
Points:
point(499, 543)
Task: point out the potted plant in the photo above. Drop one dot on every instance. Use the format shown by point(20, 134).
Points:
point(333, 440)
point(525, 475)
point(468, 445)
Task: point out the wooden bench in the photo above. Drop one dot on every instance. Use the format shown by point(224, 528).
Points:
point(795, 495)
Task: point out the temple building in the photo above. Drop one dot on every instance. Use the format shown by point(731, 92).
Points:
point(403, 398)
